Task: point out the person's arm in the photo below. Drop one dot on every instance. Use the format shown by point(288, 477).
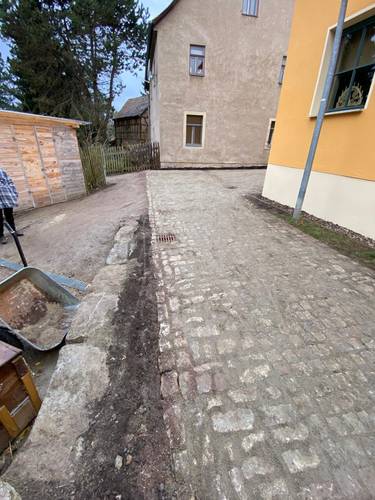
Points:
point(11, 184)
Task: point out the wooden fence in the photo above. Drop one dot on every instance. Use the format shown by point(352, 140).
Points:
point(93, 166)
point(99, 161)
point(133, 158)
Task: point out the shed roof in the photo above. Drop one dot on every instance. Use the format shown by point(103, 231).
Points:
point(32, 118)
point(133, 107)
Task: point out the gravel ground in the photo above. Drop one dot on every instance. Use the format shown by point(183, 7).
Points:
point(74, 238)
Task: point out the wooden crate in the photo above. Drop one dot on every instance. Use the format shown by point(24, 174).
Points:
point(19, 398)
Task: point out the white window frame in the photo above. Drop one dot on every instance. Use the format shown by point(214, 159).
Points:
point(355, 18)
point(246, 4)
point(194, 113)
point(203, 74)
point(267, 144)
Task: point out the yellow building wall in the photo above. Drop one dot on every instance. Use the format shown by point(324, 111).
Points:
point(347, 142)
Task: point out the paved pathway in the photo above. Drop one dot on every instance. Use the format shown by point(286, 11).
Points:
point(268, 347)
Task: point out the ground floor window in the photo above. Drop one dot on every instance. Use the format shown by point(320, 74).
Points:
point(270, 132)
point(194, 130)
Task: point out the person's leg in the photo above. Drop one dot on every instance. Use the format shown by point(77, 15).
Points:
point(9, 217)
point(8, 213)
point(2, 237)
point(1, 223)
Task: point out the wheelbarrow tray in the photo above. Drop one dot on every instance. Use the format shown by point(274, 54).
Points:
point(51, 290)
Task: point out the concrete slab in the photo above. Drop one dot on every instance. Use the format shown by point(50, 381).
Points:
point(53, 445)
point(7, 492)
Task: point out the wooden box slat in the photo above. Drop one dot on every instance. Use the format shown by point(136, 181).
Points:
point(7, 353)
point(19, 398)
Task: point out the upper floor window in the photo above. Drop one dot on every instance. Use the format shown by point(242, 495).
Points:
point(282, 70)
point(250, 7)
point(355, 68)
point(197, 60)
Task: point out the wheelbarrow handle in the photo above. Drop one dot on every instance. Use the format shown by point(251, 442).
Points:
point(17, 242)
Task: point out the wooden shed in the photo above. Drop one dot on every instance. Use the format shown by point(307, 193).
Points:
point(132, 122)
point(41, 155)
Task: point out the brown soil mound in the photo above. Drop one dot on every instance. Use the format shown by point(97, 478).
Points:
point(40, 320)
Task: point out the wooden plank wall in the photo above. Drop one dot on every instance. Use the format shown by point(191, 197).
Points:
point(11, 161)
point(49, 163)
point(68, 156)
point(28, 147)
point(43, 161)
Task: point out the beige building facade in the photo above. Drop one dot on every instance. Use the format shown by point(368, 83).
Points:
point(215, 69)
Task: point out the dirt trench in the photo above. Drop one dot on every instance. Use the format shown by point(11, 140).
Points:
point(125, 453)
point(128, 422)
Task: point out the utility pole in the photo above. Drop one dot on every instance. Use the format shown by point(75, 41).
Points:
point(322, 111)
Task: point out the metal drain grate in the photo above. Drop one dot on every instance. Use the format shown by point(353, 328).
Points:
point(166, 237)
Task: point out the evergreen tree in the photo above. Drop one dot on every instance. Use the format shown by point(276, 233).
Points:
point(67, 56)
point(7, 100)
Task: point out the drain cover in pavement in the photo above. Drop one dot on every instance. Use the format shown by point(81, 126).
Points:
point(166, 238)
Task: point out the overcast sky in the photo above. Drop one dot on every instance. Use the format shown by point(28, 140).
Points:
point(133, 83)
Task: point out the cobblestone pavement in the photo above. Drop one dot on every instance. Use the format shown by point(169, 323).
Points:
point(267, 342)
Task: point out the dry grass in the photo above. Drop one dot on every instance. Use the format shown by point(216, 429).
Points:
point(344, 241)
point(351, 247)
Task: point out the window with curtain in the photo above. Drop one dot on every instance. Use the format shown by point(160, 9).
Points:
point(194, 130)
point(355, 68)
point(250, 7)
point(197, 60)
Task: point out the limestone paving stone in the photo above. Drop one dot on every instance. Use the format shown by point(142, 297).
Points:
point(232, 421)
point(271, 335)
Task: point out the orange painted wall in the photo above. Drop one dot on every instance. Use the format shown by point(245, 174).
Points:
point(347, 143)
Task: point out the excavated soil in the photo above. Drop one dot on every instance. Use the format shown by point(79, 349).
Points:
point(28, 310)
point(50, 329)
point(22, 304)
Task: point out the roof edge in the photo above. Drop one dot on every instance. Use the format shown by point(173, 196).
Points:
point(166, 11)
point(151, 37)
point(5, 113)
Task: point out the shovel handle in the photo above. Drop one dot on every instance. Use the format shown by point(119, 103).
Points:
point(17, 242)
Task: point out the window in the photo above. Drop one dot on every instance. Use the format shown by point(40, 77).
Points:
point(250, 7)
point(282, 70)
point(355, 68)
point(271, 130)
point(197, 57)
point(194, 130)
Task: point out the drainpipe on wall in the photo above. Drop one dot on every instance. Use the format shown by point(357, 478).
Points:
point(322, 111)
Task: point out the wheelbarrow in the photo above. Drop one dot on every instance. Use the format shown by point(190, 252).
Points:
point(35, 311)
